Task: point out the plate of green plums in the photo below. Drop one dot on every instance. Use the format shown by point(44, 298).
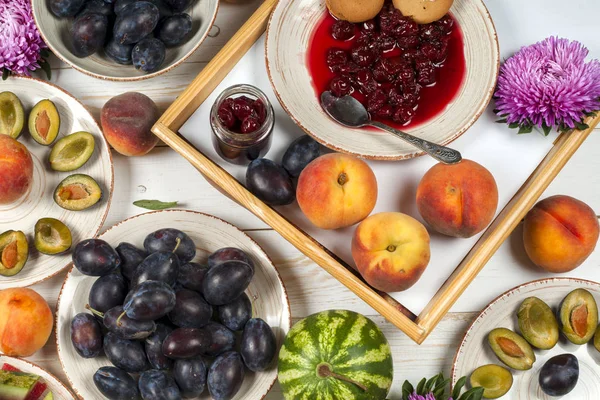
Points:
point(56, 179)
point(538, 341)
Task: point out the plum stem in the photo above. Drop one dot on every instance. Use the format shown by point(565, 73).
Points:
point(119, 319)
point(324, 371)
point(94, 311)
point(178, 241)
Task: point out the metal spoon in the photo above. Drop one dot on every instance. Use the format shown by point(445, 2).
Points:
point(350, 112)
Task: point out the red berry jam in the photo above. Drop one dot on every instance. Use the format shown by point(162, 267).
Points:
point(242, 114)
point(403, 72)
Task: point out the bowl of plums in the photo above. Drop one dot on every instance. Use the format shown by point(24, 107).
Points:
point(425, 67)
point(169, 305)
point(124, 40)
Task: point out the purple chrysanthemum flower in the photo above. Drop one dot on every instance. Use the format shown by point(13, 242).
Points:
point(548, 84)
point(416, 396)
point(20, 41)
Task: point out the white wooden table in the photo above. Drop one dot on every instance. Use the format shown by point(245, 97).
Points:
point(164, 175)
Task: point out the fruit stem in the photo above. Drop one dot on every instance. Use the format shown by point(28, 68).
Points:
point(342, 178)
point(391, 248)
point(324, 371)
point(119, 319)
point(177, 245)
point(95, 312)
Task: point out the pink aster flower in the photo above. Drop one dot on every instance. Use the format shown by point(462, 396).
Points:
point(20, 41)
point(548, 84)
point(416, 396)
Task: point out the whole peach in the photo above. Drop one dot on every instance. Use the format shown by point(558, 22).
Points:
point(559, 233)
point(336, 190)
point(458, 200)
point(126, 122)
point(25, 322)
point(391, 251)
point(16, 170)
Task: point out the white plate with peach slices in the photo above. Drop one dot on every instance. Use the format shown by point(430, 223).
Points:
point(56, 179)
point(431, 74)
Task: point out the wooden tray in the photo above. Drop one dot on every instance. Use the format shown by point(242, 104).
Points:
point(417, 327)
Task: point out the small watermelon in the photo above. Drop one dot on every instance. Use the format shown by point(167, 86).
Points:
point(335, 355)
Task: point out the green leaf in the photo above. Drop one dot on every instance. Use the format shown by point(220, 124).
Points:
point(45, 53)
point(501, 121)
point(582, 126)
point(592, 114)
point(514, 125)
point(458, 387)
point(439, 393)
point(546, 128)
point(421, 386)
point(5, 74)
point(430, 383)
point(45, 65)
point(155, 204)
point(525, 129)
point(407, 390)
point(475, 393)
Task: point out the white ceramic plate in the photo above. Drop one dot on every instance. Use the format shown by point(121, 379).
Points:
point(288, 35)
point(267, 292)
point(59, 390)
point(475, 352)
point(39, 203)
point(55, 32)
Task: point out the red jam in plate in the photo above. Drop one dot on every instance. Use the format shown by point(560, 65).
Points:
point(404, 73)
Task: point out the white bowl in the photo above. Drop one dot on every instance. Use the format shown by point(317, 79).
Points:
point(55, 32)
point(39, 201)
point(502, 313)
point(59, 390)
point(267, 292)
point(288, 36)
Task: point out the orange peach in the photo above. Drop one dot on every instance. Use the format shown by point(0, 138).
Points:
point(458, 200)
point(336, 190)
point(126, 122)
point(16, 170)
point(25, 322)
point(391, 251)
point(559, 233)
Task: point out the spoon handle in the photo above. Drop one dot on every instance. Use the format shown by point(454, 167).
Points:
point(442, 154)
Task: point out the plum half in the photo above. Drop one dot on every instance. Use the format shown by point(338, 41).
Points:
point(14, 252)
point(52, 236)
point(44, 122)
point(12, 115)
point(72, 152)
point(77, 192)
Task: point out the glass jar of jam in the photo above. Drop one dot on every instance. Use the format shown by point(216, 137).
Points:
point(242, 120)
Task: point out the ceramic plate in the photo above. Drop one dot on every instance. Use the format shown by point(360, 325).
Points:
point(55, 32)
point(475, 352)
point(59, 390)
point(267, 292)
point(39, 203)
point(288, 35)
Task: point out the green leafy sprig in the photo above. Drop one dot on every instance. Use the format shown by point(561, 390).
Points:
point(437, 387)
point(527, 126)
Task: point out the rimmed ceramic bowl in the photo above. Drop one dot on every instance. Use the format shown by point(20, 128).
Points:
point(59, 390)
point(55, 32)
point(39, 202)
point(288, 36)
point(266, 291)
point(474, 350)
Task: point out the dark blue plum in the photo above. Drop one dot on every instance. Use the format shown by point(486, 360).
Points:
point(225, 376)
point(270, 182)
point(129, 355)
point(135, 21)
point(97, 7)
point(221, 339)
point(190, 376)
point(226, 282)
point(148, 55)
point(185, 343)
point(191, 275)
point(107, 292)
point(178, 5)
point(149, 301)
point(191, 310)
point(229, 254)
point(301, 152)
point(95, 257)
point(88, 34)
point(116, 384)
point(121, 4)
point(174, 30)
point(258, 346)
point(153, 346)
point(161, 266)
point(158, 385)
point(86, 335)
point(170, 239)
point(130, 255)
point(559, 375)
point(235, 314)
point(164, 9)
point(116, 321)
point(65, 8)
